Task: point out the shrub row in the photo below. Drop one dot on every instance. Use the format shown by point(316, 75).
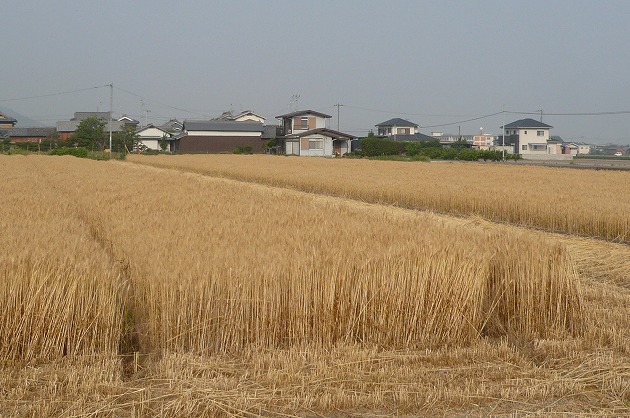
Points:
point(77, 152)
point(377, 147)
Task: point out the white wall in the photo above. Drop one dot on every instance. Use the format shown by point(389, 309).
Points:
point(251, 118)
point(151, 137)
point(530, 136)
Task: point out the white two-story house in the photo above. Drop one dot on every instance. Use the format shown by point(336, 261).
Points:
point(396, 126)
point(304, 133)
point(530, 138)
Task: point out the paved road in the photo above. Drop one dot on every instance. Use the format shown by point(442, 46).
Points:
point(585, 163)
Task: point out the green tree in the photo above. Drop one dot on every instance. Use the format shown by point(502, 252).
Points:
point(164, 143)
point(5, 143)
point(125, 140)
point(90, 134)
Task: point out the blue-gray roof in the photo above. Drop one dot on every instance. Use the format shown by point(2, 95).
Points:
point(397, 122)
point(527, 123)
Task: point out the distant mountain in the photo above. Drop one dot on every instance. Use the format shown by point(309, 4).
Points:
point(23, 121)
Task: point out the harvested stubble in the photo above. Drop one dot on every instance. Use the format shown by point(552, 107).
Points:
point(585, 202)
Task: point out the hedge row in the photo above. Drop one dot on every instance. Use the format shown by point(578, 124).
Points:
point(375, 147)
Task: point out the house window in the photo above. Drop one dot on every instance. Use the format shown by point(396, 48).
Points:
point(403, 131)
point(300, 123)
point(524, 147)
point(540, 133)
point(315, 144)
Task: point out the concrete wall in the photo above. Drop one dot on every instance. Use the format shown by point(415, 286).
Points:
point(548, 157)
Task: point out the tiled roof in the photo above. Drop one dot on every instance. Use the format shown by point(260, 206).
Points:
point(527, 123)
point(71, 125)
point(84, 115)
point(323, 131)
point(7, 119)
point(397, 122)
point(30, 132)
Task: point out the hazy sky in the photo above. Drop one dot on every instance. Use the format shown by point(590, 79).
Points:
point(431, 62)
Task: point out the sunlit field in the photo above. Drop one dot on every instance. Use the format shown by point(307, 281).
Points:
point(586, 202)
point(130, 290)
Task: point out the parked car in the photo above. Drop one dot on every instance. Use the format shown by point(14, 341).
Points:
point(618, 154)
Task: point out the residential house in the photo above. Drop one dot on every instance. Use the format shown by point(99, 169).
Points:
point(34, 135)
point(215, 136)
point(302, 121)
point(577, 148)
point(244, 116)
point(152, 138)
point(531, 138)
point(173, 126)
point(66, 128)
point(7, 121)
point(248, 115)
point(127, 121)
point(305, 133)
point(583, 148)
point(318, 142)
point(398, 129)
point(396, 126)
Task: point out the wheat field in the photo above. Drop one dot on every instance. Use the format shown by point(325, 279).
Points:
point(581, 202)
point(130, 290)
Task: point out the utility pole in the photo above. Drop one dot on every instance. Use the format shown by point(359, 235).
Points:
point(503, 145)
point(111, 113)
point(338, 106)
point(541, 111)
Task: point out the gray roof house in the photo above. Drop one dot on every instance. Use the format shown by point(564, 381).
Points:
point(401, 130)
point(531, 139)
point(66, 128)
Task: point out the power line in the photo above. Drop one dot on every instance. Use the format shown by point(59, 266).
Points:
point(462, 121)
point(53, 94)
point(616, 112)
point(161, 104)
point(401, 113)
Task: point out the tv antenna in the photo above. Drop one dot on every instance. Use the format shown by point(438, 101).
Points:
point(293, 104)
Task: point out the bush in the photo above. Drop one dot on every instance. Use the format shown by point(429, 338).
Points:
point(76, 152)
point(467, 154)
point(420, 157)
point(490, 155)
point(514, 157)
point(18, 151)
point(373, 147)
point(245, 149)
